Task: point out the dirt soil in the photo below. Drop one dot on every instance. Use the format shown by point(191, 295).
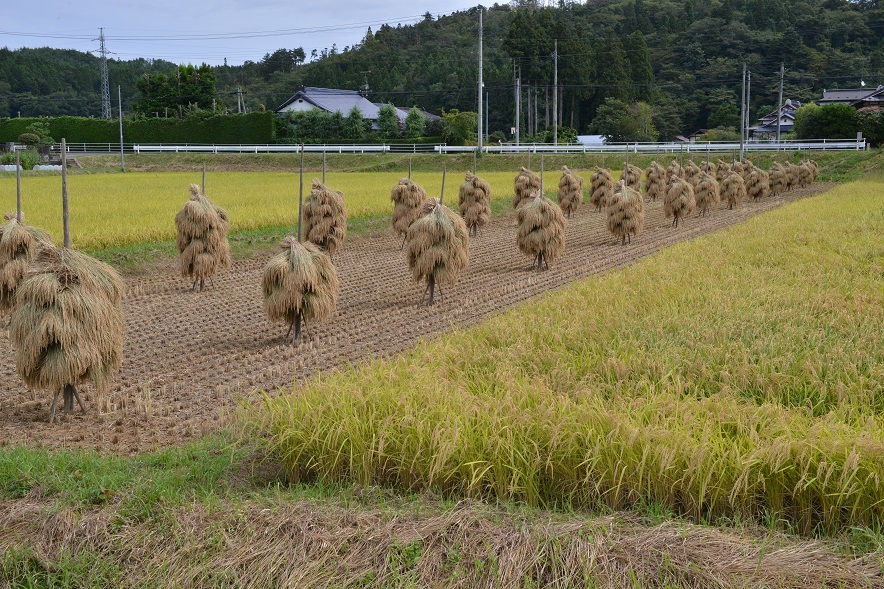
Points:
point(190, 358)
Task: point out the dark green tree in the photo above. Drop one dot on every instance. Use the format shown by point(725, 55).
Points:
point(354, 125)
point(832, 121)
point(388, 122)
point(415, 123)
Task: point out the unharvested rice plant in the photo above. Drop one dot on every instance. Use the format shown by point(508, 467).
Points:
point(655, 182)
point(438, 248)
point(541, 231)
point(626, 213)
point(474, 202)
point(202, 238)
point(757, 184)
point(325, 217)
point(570, 191)
point(733, 190)
point(602, 187)
point(525, 187)
point(300, 284)
point(706, 194)
point(632, 175)
point(408, 203)
point(19, 245)
point(680, 201)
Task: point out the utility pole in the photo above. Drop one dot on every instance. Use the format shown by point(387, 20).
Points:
point(487, 115)
point(518, 102)
point(748, 93)
point(780, 103)
point(481, 85)
point(742, 111)
point(105, 80)
point(556, 94)
point(120, 102)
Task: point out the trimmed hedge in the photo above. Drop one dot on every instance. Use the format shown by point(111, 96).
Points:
point(213, 129)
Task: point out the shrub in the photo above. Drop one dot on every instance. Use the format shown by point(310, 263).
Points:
point(832, 121)
point(29, 139)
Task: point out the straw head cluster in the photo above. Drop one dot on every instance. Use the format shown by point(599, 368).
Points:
point(67, 322)
point(300, 283)
point(805, 174)
point(655, 181)
point(679, 201)
point(19, 245)
point(438, 247)
point(746, 168)
point(706, 194)
point(541, 231)
point(601, 185)
point(570, 191)
point(626, 213)
point(325, 217)
point(475, 202)
point(733, 189)
point(632, 175)
point(202, 237)
point(526, 186)
point(408, 202)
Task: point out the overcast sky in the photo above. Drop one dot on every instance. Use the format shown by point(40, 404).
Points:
point(181, 31)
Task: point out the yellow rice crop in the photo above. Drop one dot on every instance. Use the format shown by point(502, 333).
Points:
point(749, 384)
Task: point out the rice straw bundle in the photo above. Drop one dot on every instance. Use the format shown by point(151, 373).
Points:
point(299, 283)
point(541, 231)
point(408, 202)
point(67, 324)
point(679, 201)
point(815, 170)
point(19, 245)
point(626, 213)
point(570, 191)
point(747, 168)
point(325, 217)
point(674, 171)
point(655, 181)
point(805, 175)
point(202, 238)
point(722, 170)
point(438, 247)
point(706, 194)
point(692, 173)
point(791, 175)
point(733, 189)
point(526, 186)
point(778, 179)
point(601, 186)
point(633, 177)
point(475, 203)
point(758, 184)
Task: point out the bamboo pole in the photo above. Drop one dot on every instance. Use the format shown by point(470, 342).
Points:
point(300, 191)
point(64, 194)
point(204, 178)
point(18, 186)
point(442, 194)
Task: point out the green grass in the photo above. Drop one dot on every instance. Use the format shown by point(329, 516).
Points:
point(737, 375)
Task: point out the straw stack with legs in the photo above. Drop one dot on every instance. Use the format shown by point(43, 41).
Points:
point(805, 175)
point(733, 189)
point(601, 186)
point(626, 213)
point(791, 175)
point(19, 245)
point(325, 217)
point(722, 170)
point(746, 169)
point(525, 187)
point(202, 238)
point(570, 191)
point(541, 231)
point(706, 194)
point(814, 169)
point(474, 203)
point(692, 173)
point(408, 203)
point(679, 201)
point(632, 175)
point(674, 171)
point(778, 179)
point(438, 248)
point(758, 184)
point(655, 181)
point(67, 325)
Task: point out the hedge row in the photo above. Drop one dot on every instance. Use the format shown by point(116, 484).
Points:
point(215, 129)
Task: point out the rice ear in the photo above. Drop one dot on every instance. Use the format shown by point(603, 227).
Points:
point(679, 201)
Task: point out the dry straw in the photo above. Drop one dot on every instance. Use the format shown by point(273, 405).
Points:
point(626, 213)
point(67, 324)
point(674, 171)
point(733, 189)
point(408, 202)
point(299, 284)
point(541, 231)
point(779, 181)
point(722, 170)
point(805, 175)
point(325, 217)
point(19, 245)
point(601, 188)
point(526, 186)
point(475, 202)
point(202, 238)
point(633, 176)
point(679, 201)
point(570, 191)
point(791, 175)
point(438, 248)
point(814, 169)
point(706, 194)
point(758, 184)
point(747, 168)
point(692, 173)
point(655, 181)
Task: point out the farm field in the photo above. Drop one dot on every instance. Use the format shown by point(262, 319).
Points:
point(687, 376)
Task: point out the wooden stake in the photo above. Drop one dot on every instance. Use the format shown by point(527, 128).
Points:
point(300, 192)
point(64, 194)
point(409, 168)
point(18, 185)
point(442, 194)
point(204, 178)
point(474, 162)
point(541, 174)
point(323, 167)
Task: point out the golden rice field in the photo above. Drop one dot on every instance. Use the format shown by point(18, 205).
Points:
point(739, 374)
point(111, 210)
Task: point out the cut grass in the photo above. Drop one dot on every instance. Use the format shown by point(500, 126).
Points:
point(738, 375)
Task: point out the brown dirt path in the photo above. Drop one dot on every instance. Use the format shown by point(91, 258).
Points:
point(189, 357)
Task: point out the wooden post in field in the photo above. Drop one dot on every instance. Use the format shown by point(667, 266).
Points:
point(323, 166)
point(300, 192)
point(541, 174)
point(64, 193)
point(409, 168)
point(204, 178)
point(18, 186)
point(442, 193)
point(474, 162)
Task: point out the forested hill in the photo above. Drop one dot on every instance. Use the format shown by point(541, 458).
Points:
point(682, 58)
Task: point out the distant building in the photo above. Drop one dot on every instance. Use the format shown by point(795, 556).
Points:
point(591, 140)
point(767, 125)
point(342, 101)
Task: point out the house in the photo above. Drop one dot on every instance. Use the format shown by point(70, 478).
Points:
point(767, 125)
point(844, 96)
point(335, 100)
point(874, 101)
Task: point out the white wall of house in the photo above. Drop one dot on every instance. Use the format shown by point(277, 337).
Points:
point(300, 105)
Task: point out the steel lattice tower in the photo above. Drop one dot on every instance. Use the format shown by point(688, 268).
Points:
point(105, 81)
